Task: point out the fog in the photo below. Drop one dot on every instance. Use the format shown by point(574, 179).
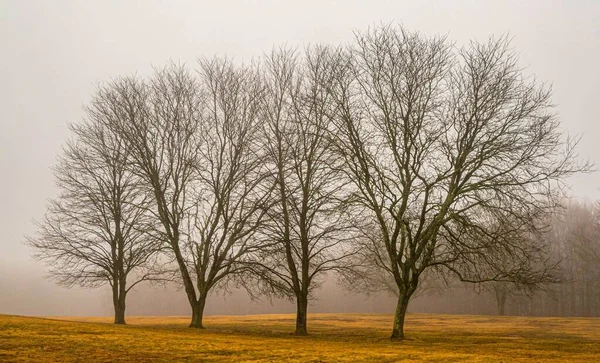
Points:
point(54, 53)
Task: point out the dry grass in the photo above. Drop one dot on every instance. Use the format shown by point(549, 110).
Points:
point(333, 338)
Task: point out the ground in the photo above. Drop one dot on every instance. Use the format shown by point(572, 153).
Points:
point(268, 338)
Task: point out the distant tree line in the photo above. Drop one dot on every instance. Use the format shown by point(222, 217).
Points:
point(394, 161)
point(574, 239)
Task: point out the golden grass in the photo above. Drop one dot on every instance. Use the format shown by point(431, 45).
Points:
point(268, 338)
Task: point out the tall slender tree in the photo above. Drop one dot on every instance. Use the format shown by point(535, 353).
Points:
point(308, 221)
point(231, 194)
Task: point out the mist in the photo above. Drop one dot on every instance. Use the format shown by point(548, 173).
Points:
point(55, 53)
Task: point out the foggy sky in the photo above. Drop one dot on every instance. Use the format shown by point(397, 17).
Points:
point(53, 53)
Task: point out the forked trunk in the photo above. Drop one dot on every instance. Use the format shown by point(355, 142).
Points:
point(301, 310)
point(198, 312)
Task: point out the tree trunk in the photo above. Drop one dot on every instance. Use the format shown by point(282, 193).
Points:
point(119, 305)
point(400, 314)
point(501, 296)
point(301, 310)
point(501, 309)
point(198, 312)
point(120, 314)
point(502, 306)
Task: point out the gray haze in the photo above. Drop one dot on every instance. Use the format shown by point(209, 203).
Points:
point(53, 54)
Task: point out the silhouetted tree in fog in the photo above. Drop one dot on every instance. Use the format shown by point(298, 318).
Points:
point(399, 163)
point(96, 231)
point(230, 192)
point(308, 226)
point(454, 154)
point(575, 241)
point(194, 143)
point(161, 127)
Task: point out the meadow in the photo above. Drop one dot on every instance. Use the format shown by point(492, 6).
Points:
point(269, 338)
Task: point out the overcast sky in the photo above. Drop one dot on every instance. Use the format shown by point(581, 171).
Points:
point(52, 53)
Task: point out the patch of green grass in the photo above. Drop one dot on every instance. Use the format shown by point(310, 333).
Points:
point(333, 338)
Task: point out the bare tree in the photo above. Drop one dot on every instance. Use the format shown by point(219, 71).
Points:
point(454, 154)
point(502, 291)
point(231, 193)
point(308, 221)
point(194, 146)
point(162, 124)
point(95, 231)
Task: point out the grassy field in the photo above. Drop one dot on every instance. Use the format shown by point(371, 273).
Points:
point(268, 338)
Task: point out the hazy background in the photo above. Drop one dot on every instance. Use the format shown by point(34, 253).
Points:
point(53, 53)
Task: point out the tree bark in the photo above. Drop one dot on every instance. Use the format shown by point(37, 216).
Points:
point(198, 312)
point(301, 310)
point(119, 305)
point(119, 314)
point(399, 316)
